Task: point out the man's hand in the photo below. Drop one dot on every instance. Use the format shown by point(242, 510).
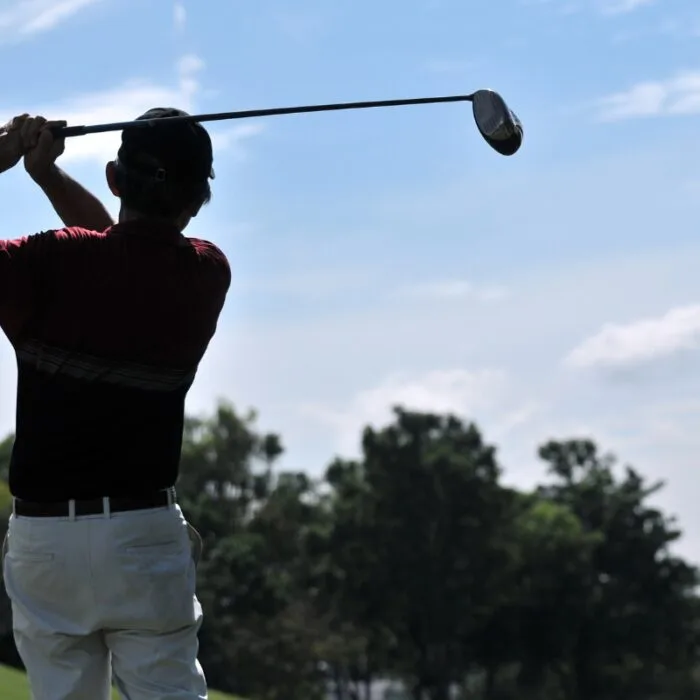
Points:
point(11, 145)
point(72, 202)
point(40, 147)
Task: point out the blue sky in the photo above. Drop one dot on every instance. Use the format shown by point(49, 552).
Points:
point(389, 256)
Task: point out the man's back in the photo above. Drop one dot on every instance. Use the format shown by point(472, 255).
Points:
point(109, 329)
point(99, 561)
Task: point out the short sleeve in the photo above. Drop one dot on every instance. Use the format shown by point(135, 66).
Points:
point(215, 265)
point(21, 262)
point(215, 279)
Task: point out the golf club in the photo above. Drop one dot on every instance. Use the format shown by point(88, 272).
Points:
point(498, 124)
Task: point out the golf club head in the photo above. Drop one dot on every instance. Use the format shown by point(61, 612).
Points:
point(496, 122)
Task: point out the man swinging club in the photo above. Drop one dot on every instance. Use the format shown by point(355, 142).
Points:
point(109, 322)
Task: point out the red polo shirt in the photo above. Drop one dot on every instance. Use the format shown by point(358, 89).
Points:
point(108, 328)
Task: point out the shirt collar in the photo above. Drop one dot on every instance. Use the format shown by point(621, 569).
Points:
point(155, 229)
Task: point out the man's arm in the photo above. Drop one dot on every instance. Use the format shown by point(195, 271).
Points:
point(75, 205)
point(11, 144)
point(22, 264)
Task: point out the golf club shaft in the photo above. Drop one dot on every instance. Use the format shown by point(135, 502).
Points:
point(68, 131)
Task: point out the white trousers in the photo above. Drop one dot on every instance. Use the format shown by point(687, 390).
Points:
point(105, 597)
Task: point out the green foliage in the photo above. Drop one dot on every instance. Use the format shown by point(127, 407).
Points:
point(415, 563)
point(13, 686)
point(5, 499)
point(5, 454)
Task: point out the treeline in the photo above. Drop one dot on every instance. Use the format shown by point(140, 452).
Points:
point(417, 567)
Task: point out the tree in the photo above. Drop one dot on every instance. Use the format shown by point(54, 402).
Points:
point(5, 454)
point(418, 537)
point(258, 638)
point(415, 563)
point(555, 560)
point(225, 469)
point(638, 617)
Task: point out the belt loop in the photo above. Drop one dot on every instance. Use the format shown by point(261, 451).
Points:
point(71, 509)
point(14, 507)
point(106, 507)
point(171, 497)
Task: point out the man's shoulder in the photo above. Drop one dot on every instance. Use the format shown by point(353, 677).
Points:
point(211, 254)
point(76, 233)
point(207, 248)
point(45, 242)
point(70, 234)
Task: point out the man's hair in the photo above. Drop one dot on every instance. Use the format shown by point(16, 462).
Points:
point(164, 169)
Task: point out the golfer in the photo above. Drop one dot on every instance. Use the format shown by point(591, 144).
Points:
point(109, 322)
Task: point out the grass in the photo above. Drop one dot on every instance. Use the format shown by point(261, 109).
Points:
point(13, 686)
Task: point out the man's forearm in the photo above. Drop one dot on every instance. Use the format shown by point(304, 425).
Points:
point(72, 202)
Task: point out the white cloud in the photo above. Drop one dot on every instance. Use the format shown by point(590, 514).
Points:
point(456, 391)
point(617, 345)
point(188, 69)
point(671, 27)
point(112, 105)
point(678, 95)
point(618, 7)
point(20, 19)
point(454, 290)
point(179, 16)
point(604, 7)
point(189, 65)
point(230, 139)
point(126, 102)
point(514, 419)
point(563, 7)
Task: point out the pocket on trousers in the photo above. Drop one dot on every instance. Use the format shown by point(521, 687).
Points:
point(29, 556)
point(155, 549)
point(158, 581)
point(37, 576)
point(156, 560)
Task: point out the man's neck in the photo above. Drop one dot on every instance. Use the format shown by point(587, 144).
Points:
point(127, 216)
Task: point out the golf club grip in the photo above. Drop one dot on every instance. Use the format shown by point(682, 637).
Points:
point(69, 131)
point(64, 132)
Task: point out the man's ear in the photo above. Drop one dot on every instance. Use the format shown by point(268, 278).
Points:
point(111, 175)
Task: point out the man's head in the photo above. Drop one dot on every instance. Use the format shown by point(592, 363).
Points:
point(163, 171)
